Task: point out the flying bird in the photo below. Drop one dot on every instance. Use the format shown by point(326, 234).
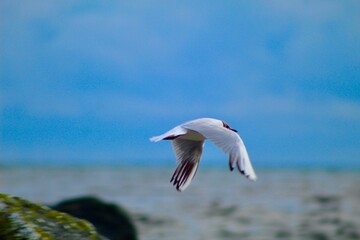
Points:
point(188, 141)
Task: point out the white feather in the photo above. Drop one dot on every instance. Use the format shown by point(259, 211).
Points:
point(176, 131)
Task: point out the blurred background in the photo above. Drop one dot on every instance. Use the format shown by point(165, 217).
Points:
point(87, 83)
point(91, 82)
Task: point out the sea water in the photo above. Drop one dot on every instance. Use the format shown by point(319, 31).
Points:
point(218, 204)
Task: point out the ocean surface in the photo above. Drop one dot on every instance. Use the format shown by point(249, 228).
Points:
point(219, 204)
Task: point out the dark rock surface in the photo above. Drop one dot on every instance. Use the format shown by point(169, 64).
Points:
point(110, 220)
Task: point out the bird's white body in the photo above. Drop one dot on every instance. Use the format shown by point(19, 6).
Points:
point(188, 141)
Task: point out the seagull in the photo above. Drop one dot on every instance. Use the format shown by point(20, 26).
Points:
point(188, 141)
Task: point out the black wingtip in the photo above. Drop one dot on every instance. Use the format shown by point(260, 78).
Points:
point(230, 166)
point(242, 171)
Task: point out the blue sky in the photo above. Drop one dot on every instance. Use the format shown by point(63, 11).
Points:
point(90, 82)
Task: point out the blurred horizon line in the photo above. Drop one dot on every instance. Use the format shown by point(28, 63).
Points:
point(168, 163)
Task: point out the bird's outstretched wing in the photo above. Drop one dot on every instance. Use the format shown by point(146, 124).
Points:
point(231, 143)
point(170, 135)
point(188, 154)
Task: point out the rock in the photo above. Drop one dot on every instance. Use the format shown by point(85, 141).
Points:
point(110, 220)
point(23, 220)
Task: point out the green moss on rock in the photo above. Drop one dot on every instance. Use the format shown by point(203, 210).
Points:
point(23, 220)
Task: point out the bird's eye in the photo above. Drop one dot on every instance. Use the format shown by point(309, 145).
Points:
point(225, 125)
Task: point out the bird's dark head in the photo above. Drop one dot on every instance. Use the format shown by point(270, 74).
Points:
point(225, 125)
